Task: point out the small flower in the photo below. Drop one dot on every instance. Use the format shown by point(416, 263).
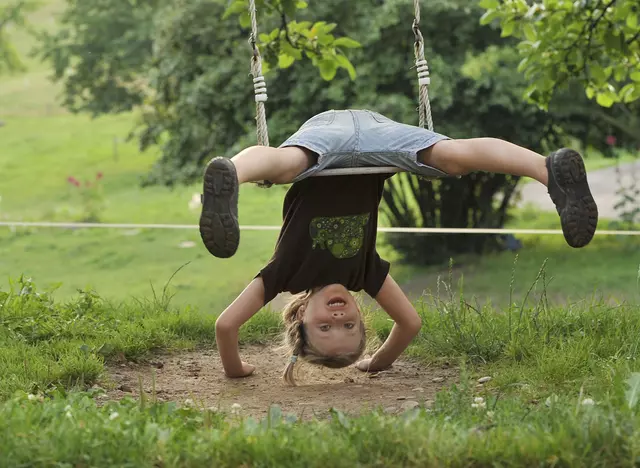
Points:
point(235, 408)
point(588, 402)
point(69, 415)
point(99, 175)
point(478, 402)
point(113, 416)
point(188, 402)
point(32, 397)
point(611, 140)
point(73, 181)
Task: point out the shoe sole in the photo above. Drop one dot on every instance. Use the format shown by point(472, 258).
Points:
point(219, 228)
point(579, 217)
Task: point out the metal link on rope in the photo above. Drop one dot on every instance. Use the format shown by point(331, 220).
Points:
point(423, 70)
point(259, 85)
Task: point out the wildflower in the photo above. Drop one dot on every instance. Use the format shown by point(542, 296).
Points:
point(188, 402)
point(73, 181)
point(32, 397)
point(235, 408)
point(611, 140)
point(588, 402)
point(478, 402)
point(113, 416)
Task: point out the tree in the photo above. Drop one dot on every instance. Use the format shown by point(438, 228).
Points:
point(13, 14)
point(596, 42)
point(102, 53)
point(197, 98)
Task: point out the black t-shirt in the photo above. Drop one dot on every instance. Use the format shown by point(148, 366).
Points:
point(328, 237)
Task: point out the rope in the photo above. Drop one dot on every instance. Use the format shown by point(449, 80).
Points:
point(47, 224)
point(423, 70)
point(259, 85)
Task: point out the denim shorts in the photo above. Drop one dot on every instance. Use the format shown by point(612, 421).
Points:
point(362, 138)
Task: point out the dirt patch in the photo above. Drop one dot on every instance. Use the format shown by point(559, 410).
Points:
point(198, 376)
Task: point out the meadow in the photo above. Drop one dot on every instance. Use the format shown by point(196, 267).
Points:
point(555, 329)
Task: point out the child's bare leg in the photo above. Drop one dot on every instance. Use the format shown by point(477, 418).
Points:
point(459, 157)
point(219, 228)
point(277, 165)
point(563, 172)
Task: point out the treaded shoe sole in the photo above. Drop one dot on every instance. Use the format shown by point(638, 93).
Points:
point(219, 227)
point(579, 215)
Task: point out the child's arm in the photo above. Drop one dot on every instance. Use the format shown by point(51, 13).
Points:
point(246, 305)
point(407, 325)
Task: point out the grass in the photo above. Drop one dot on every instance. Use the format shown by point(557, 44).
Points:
point(554, 339)
point(564, 389)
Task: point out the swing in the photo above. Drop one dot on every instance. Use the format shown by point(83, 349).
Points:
point(260, 90)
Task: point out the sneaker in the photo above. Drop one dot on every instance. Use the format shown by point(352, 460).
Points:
point(219, 227)
point(569, 190)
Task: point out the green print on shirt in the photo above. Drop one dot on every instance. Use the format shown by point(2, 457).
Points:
point(342, 236)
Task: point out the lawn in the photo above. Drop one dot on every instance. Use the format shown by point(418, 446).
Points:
point(563, 390)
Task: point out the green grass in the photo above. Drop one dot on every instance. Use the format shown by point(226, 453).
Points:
point(545, 362)
point(569, 340)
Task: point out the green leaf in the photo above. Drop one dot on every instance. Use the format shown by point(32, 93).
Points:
point(301, 5)
point(632, 21)
point(508, 28)
point(590, 92)
point(627, 92)
point(488, 17)
point(489, 4)
point(633, 389)
point(346, 64)
point(605, 99)
point(237, 7)
point(290, 50)
point(245, 19)
point(597, 73)
point(285, 60)
point(635, 76)
point(346, 42)
point(530, 32)
point(328, 69)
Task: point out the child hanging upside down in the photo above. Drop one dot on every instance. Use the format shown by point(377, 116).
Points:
point(327, 245)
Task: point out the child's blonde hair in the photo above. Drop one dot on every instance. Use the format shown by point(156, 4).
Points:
point(296, 342)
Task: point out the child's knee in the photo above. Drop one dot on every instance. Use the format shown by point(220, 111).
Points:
point(449, 156)
point(291, 161)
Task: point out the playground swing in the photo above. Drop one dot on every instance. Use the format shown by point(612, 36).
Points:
point(260, 90)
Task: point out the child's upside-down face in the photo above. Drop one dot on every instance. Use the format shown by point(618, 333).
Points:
point(332, 321)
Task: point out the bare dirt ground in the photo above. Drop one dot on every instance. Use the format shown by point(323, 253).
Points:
point(198, 376)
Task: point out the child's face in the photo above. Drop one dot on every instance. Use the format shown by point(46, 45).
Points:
point(332, 321)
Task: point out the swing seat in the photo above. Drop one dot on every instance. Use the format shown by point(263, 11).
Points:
point(260, 92)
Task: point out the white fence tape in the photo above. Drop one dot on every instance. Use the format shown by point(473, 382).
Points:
point(45, 224)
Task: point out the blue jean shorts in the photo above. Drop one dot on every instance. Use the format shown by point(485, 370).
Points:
point(362, 138)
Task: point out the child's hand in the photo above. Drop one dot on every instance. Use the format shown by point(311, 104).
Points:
point(247, 370)
point(365, 366)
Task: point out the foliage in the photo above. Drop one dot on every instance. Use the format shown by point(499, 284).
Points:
point(474, 92)
point(594, 41)
point(564, 389)
point(101, 52)
point(13, 14)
